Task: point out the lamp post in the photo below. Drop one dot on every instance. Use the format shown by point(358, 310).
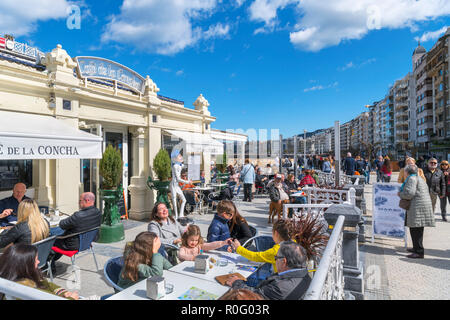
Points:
point(304, 148)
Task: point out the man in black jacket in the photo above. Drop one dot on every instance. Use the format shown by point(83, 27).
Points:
point(349, 165)
point(8, 206)
point(291, 281)
point(435, 181)
point(87, 218)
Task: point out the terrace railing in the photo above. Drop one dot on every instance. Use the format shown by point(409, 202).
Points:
point(13, 290)
point(330, 196)
point(328, 281)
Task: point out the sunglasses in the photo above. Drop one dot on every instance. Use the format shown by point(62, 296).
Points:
point(433, 162)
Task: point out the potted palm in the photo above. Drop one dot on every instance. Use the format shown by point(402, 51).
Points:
point(163, 170)
point(222, 174)
point(110, 167)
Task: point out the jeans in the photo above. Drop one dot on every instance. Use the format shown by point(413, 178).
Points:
point(56, 231)
point(248, 191)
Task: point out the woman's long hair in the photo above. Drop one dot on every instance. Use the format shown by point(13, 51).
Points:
point(237, 218)
point(139, 252)
point(154, 214)
point(387, 165)
point(18, 262)
point(191, 231)
point(28, 211)
point(308, 232)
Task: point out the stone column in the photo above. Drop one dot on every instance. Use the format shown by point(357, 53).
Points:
point(353, 268)
point(139, 191)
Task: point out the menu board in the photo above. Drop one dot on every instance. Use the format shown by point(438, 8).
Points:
point(388, 217)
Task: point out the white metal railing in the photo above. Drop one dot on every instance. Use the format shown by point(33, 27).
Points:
point(328, 281)
point(13, 290)
point(314, 209)
point(321, 195)
point(329, 179)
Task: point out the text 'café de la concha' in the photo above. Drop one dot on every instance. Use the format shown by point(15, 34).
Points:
point(58, 114)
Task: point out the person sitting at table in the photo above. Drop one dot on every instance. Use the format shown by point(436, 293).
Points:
point(241, 294)
point(8, 206)
point(202, 177)
point(88, 217)
point(19, 263)
point(142, 260)
point(291, 280)
point(192, 244)
point(280, 232)
point(218, 229)
point(260, 180)
point(31, 227)
point(307, 180)
point(238, 226)
point(187, 188)
point(164, 225)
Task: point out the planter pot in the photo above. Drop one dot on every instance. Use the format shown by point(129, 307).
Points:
point(111, 229)
point(163, 188)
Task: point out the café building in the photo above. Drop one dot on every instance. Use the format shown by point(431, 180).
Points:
point(58, 113)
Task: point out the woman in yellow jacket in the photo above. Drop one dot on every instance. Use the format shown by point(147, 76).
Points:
point(280, 232)
point(402, 175)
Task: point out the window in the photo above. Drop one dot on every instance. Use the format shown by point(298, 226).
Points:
point(441, 87)
point(67, 105)
point(154, 119)
point(13, 171)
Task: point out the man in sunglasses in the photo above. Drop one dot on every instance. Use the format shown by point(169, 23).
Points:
point(435, 181)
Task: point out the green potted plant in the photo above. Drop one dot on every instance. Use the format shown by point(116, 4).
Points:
point(111, 167)
point(163, 169)
point(223, 175)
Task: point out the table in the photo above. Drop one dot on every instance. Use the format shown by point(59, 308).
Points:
point(187, 267)
point(298, 194)
point(181, 284)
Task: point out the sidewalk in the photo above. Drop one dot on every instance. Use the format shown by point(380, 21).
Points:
point(390, 275)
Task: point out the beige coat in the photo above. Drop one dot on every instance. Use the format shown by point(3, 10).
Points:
point(420, 213)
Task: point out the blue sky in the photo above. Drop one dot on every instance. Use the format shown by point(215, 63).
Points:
point(262, 64)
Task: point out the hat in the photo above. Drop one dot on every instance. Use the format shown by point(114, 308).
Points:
point(278, 176)
point(175, 153)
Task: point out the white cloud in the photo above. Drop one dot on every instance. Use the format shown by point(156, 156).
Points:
point(163, 26)
point(432, 35)
point(21, 18)
point(352, 65)
point(325, 23)
point(179, 73)
point(321, 87)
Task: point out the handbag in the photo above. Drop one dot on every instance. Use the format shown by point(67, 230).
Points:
point(404, 204)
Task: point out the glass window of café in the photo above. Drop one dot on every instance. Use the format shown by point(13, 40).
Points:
point(14, 171)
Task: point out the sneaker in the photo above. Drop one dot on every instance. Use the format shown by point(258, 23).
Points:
point(444, 218)
point(410, 250)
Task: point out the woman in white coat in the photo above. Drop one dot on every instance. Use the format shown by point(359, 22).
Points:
point(175, 190)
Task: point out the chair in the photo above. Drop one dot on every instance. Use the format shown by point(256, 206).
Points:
point(46, 208)
point(163, 250)
point(112, 270)
point(254, 232)
point(261, 243)
point(44, 247)
point(86, 239)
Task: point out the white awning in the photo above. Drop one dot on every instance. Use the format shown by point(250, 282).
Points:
point(29, 136)
point(198, 142)
point(228, 136)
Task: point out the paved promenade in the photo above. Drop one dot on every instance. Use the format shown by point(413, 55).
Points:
point(402, 278)
point(388, 273)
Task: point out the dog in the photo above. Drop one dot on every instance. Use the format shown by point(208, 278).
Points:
point(276, 208)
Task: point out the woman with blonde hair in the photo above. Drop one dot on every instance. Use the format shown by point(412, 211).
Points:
point(31, 227)
point(402, 175)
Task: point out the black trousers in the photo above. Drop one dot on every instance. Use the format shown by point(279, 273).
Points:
point(444, 204)
point(248, 191)
point(417, 239)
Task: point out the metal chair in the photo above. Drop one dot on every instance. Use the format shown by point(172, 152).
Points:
point(248, 244)
point(165, 254)
point(44, 247)
point(261, 243)
point(86, 239)
point(112, 270)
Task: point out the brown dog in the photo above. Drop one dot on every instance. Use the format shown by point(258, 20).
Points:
point(276, 208)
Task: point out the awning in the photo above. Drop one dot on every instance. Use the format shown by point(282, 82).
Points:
point(29, 136)
point(197, 142)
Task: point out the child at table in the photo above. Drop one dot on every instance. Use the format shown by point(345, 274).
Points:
point(218, 229)
point(192, 244)
point(142, 260)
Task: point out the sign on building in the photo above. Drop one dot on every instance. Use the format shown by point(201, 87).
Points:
point(99, 68)
point(388, 217)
